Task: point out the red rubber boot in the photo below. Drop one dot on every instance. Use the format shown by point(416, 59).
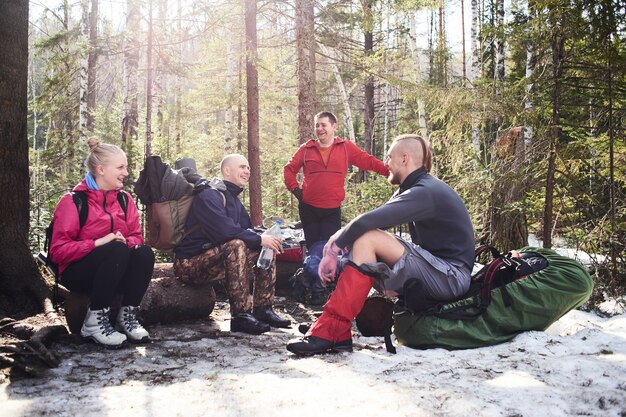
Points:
point(332, 332)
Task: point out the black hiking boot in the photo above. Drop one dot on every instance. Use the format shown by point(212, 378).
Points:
point(247, 323)
point(267, 315)
point(311, 345)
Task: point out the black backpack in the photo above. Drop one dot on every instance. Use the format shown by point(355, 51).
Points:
point(80, 201)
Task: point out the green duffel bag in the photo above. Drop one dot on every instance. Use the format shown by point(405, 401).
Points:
point(495, 312)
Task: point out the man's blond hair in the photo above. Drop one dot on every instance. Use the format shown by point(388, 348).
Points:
point(423, 149)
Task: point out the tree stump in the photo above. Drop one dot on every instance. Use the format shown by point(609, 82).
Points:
point(167, 300)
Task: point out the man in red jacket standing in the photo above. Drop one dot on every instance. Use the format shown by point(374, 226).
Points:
point(325, 162)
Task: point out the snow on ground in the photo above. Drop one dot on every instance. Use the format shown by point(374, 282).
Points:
point(587, 259)
point(577, 367)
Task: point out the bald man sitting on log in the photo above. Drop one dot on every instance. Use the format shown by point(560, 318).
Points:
point(439, 258)
point(219, 244)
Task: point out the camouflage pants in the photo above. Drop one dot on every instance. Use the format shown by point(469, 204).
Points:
point(235, 264)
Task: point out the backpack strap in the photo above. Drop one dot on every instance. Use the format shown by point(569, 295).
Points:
point(388, 343)
point(223, 193)
point(80, 200)
point(122, 198)
point(203, 185)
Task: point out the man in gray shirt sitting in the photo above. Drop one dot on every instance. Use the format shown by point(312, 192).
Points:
point(440, 254)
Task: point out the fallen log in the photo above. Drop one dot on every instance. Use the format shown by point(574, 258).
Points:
point(170, 300)
point(167, 300)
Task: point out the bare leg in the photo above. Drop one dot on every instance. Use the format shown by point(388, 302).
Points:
point(377, 245)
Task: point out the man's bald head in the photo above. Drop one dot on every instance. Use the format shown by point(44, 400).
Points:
point(235, 168)
point(231, 160)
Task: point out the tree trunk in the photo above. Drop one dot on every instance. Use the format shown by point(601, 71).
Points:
point(148, 148)
point(368, 86)
point(160, 79)
point(345, 99)
point(83, 74)
point(499, 73)
point(419, 78)
point(92, 62)
point(508, 229)
point(231, 64)
point(616, 282)
point(442, 53)
point(240, 104)
point(179, 108)
point(463, 58)
point(305, 47)
point(475, 72)
point(370, 109)
point(130, 116)
point(252, 100)
point(557, 72)
point(22, 289)
point(530, 69)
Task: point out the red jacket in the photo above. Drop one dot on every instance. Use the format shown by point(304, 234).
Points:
point(323, 185)
point(70, 243)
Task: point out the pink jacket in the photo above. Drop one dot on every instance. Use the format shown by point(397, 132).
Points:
point(323, 184)
point(70, 243)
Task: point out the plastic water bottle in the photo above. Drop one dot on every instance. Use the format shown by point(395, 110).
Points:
point(267, 254)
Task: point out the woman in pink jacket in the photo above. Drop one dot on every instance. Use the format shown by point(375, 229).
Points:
point(106, 256)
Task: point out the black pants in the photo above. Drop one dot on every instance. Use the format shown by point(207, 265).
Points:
point(111, 269)
point(319, 223)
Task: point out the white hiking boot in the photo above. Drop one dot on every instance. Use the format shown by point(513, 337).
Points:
point(128, 324)
point(97, 327)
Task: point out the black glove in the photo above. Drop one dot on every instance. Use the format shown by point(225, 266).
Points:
point(190, 175)
point(297, 192)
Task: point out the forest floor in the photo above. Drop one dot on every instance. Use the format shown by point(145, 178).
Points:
point(576, 367)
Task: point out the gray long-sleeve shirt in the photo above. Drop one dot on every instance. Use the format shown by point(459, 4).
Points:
point(438, 219)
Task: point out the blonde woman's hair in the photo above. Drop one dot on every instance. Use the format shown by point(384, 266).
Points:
point(99, 153)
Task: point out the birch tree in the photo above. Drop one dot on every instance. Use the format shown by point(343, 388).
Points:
point(229, 88)
point(499, 41)
point(347, 112)
point(83, 76)
point(475, 72)
point(92, 65)
point(420, 78)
